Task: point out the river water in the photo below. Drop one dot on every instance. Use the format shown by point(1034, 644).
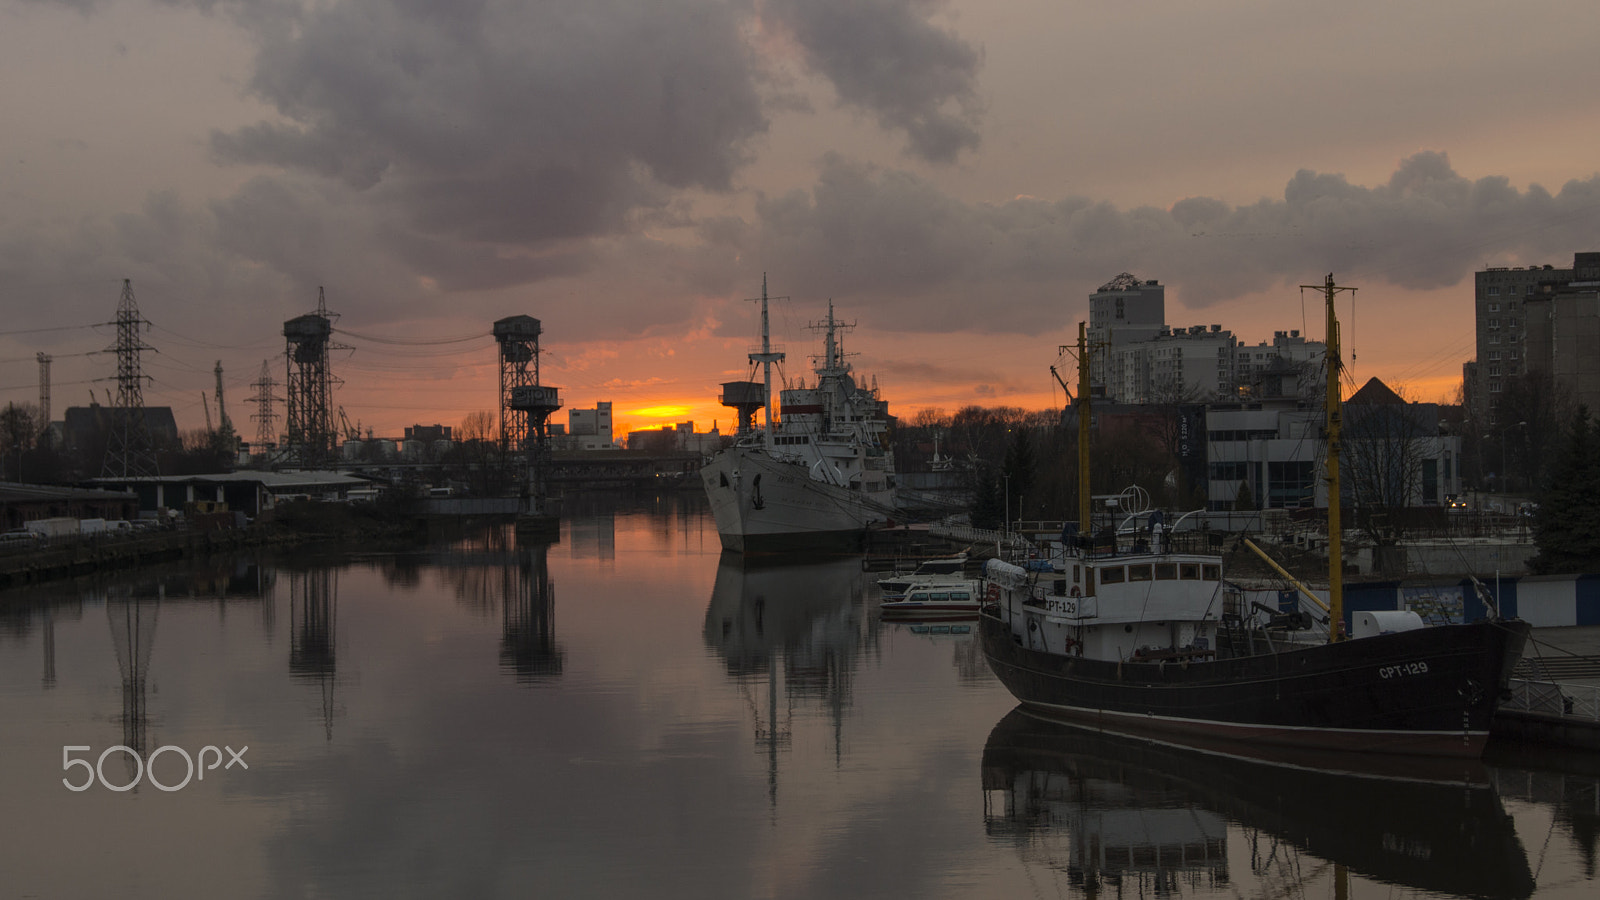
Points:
point(627, 712)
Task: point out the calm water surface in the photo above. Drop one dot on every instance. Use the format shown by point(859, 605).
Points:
point(629, 713)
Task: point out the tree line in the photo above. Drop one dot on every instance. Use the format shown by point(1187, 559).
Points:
point(1025, 463)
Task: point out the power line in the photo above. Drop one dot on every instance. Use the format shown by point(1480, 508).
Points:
point(210, 345)
point(412, 343)
point(57, 328)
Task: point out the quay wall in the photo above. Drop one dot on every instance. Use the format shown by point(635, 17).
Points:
point(65, 559)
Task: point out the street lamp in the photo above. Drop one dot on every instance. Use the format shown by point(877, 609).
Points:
point(1491, 476)
point(1503, 464)
point(1006, 528)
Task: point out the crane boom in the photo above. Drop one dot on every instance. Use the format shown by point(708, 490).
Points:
point(222, 410)
point(1063, 384)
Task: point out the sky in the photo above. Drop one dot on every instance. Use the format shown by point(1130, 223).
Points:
point(956, 177)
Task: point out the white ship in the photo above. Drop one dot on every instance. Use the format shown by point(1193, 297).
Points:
point(817, 478)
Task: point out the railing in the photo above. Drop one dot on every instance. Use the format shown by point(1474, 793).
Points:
point(981, 536)
point(1569, 701)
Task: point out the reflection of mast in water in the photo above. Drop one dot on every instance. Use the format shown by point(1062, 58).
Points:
point(528, 647)
point(265, 581)
point(133, 631)
point(313, 616)
point(773, 736)
point(49, 678)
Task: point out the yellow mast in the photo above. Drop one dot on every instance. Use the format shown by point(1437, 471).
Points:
point(1084, 499)
point(1334, 423)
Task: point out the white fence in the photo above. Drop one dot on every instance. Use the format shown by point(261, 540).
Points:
point(1571, 701)
point(967, 533)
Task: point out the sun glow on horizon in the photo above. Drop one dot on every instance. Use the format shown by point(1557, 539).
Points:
point(661, 412)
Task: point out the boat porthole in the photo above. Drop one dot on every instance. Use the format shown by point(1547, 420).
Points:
point(1128, 628)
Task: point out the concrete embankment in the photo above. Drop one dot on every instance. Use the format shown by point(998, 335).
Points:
point(98, 553)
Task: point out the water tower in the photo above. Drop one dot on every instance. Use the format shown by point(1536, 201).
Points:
point(747, 398)
point(310, 386)
point(518, 337)
point(539, 513)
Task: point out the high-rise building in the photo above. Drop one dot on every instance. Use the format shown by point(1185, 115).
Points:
point(1536, 317)
point(1138, 358)
point(1123, 311)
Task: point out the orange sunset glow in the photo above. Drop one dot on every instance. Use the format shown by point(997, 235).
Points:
point(957, 215)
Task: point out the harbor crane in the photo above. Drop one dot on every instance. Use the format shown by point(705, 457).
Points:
point(1063, 384)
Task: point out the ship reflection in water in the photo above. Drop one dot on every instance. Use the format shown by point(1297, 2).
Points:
point(1117, 814)
point(787, 630)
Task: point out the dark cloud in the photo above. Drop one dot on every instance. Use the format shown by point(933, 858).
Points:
point(82, 6)
point(485, 144)
point(182, 272)
point(923, 260)
point(506, 122)
point(885, 57)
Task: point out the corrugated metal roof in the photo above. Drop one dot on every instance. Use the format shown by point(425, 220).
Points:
point(272, 481)
point(13, 492)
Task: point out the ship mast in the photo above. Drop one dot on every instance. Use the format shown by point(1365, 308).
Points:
point(766, 357)
point(1084, 500)
point(835, 358)
point(1335, 421)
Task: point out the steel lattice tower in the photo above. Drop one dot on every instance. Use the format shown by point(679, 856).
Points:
point(310, 386)
point(525, 406)
point(518, 337)
point(266, 435)
point(44, 392)
point(130, 451)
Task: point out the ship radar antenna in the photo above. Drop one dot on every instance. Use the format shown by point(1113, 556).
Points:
point(833, 343)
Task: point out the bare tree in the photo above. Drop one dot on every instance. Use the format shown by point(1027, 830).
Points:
point(1385, 441)
point(479, 451)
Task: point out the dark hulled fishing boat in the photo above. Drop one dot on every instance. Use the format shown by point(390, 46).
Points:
point(1150, 638)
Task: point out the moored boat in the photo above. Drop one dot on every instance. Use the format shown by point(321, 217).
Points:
point(895, 586)
point(819, 477)
point(1151, 639)
point(939, 597)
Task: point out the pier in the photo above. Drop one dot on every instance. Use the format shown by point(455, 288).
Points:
point(1555, 693)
